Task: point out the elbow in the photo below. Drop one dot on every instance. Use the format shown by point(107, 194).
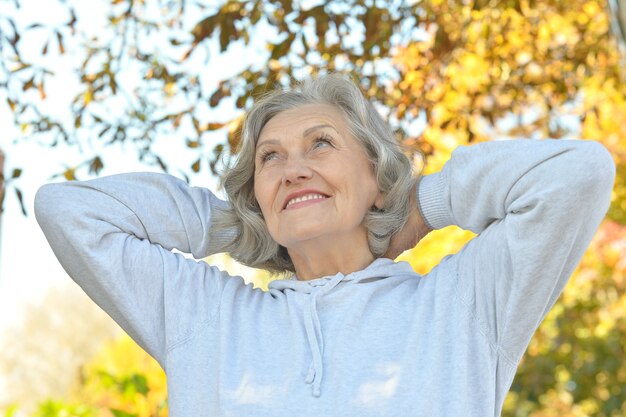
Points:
point(599, 167)
point(48, 199)
point(592, 171)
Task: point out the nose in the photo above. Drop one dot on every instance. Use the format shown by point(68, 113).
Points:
point(296, 170)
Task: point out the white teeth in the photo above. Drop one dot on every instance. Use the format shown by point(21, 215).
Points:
point(304, 198)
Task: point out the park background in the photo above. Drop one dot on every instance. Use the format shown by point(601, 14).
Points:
point(106, 86)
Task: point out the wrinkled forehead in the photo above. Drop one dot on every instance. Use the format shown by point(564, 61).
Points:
point(297, 120)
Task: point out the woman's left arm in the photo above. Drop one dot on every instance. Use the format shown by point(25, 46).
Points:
point(536, 205)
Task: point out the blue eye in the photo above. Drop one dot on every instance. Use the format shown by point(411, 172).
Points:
point(268, 156)
point(322, 141)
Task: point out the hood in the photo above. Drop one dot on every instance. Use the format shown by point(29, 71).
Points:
point(381, 268)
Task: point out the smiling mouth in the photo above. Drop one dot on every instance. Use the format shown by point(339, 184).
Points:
point(305, 200)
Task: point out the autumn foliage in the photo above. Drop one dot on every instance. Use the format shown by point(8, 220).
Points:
point(445, 74)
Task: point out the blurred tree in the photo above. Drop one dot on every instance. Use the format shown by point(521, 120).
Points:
point(98, 371)
point(124, 379)
point(575, 364)
point(537, 70)
point(120, 380)
point(148, 74)
point(44, 350)
point(468, 68)
point(444, 73)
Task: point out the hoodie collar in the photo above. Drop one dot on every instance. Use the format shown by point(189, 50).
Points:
point(381, 268)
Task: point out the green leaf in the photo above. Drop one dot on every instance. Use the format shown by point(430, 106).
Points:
point(227, 29)
point(121, 413)
point(106, 379)
point(112, 82)
point(136, 383)
point(256, 13)
point(16, 173)
point(283, 48)
point(204, 28)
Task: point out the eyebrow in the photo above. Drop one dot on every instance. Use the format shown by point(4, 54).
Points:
point(305, 133)
point(314, 128)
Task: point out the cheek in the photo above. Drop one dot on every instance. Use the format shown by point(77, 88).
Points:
point(364, 184)
point(258, 192)
point(263, 195)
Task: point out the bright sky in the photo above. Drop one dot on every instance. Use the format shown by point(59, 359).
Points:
point(28, 267)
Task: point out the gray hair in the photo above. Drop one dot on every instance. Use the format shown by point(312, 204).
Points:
point(253, 245)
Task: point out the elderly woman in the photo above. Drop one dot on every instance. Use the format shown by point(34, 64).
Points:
point(322, 191)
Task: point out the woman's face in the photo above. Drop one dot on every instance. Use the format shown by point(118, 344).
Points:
point(312, 179)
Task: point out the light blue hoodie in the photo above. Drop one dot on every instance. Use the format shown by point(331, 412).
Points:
point(383, 341)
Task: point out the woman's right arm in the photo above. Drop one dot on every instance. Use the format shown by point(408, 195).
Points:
point(114, 236)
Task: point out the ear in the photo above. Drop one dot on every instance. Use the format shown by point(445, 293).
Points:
point(379, 202)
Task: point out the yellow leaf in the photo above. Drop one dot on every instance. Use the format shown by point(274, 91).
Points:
point(87, 97)
point(69, 174)
point(469, 74)
point(170, 88)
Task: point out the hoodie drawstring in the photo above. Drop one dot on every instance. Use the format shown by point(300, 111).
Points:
point(314, 334)
point(381, 268)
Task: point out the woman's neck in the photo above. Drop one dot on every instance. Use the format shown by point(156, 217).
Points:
point(316, 259)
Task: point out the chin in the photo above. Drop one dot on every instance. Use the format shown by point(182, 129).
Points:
point(300, 234)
